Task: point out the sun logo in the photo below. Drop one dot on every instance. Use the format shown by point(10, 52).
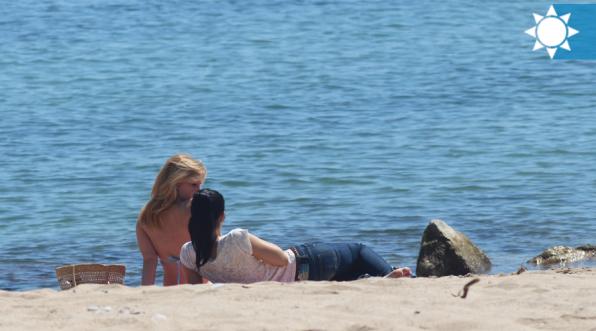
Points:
point(551, 31)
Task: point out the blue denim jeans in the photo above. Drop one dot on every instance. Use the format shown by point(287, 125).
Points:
point(340, 262)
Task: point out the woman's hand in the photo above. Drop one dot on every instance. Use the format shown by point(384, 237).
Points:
point(268, 252)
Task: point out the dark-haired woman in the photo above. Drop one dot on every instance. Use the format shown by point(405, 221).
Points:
point(241, 257)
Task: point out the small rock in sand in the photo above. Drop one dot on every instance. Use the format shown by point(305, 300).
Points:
point(99, 309)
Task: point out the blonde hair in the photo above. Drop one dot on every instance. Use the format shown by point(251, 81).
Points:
point(164, 194)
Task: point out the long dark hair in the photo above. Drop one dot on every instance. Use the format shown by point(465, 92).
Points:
point(207, 206)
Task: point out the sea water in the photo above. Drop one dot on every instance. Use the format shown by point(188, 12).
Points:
point(318, 120)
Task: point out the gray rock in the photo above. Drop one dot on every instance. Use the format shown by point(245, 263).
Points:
point(444, 251)
point(563, 255)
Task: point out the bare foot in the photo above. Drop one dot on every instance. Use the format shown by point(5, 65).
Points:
point(400, 272)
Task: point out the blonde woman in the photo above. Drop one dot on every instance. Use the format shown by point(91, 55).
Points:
point(162, 226)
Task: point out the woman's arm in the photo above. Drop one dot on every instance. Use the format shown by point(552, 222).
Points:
point(149, 256)
point(193, 277)
point(268, 252)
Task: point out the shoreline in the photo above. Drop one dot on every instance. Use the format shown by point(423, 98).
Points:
point(135, 282)
point(558, 299)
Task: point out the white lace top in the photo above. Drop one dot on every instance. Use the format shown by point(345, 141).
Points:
point(235, 263)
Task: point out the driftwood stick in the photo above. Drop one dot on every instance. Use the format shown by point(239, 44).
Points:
point(466, 288)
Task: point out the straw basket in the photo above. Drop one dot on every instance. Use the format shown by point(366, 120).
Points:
point(72, 275)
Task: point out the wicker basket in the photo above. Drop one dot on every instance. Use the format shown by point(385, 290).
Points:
point(72, 275)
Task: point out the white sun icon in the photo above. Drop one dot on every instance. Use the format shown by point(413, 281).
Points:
point(551, 31)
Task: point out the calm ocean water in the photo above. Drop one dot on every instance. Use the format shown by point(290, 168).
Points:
point(318, 120)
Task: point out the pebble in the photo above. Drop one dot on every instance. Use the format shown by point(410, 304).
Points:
point(127, 310)
point(99, 309)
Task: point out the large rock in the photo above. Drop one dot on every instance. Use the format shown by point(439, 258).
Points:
point(564, 254)
point(444, 251)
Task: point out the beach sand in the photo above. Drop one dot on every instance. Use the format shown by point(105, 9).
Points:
point(534, 300)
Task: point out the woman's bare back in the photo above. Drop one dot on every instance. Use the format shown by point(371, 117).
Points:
point(165, 242)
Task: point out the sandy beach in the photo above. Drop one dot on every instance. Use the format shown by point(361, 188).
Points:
point(534, 300)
